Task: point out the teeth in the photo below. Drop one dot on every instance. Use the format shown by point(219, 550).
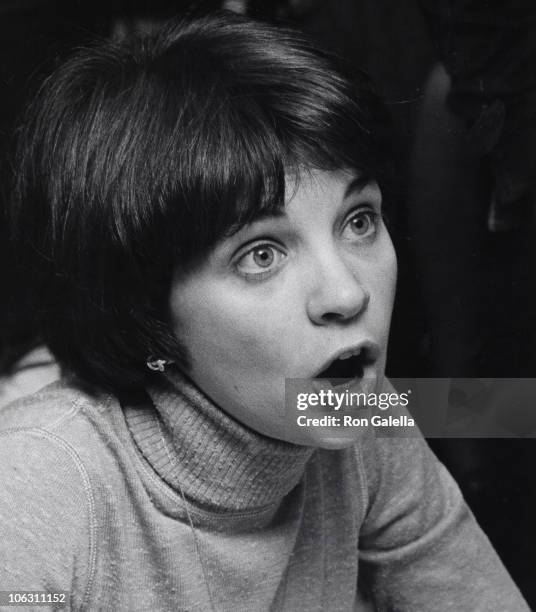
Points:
point(350, 353)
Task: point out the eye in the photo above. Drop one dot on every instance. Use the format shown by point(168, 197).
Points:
point(260, 260)
point(362, 223)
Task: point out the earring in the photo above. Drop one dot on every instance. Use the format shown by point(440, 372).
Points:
point(156, 365)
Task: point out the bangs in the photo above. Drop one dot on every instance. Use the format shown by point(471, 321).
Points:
point(231, 127)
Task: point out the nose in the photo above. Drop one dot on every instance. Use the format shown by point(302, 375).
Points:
point(338, 295)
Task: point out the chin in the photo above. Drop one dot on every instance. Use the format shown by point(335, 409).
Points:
point(327, 438)
point(336, 443)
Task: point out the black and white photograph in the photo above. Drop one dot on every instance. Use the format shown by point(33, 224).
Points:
point(268, 318)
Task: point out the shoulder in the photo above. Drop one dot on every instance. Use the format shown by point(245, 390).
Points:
point(44, 441)
point(32, 372)
point(60, 432)
point(46, 408)
point(50, 443)
point(56, 450)
point(48, 522)
point(43, 480)
point(60, 416)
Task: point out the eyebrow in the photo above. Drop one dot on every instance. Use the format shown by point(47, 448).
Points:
point(354, 187)
point(357, 184)
point(278, 213)
point(258, 217)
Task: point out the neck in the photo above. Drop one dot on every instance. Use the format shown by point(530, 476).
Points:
point(208, 456)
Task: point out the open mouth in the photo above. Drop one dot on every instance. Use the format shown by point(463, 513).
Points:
point(342, 371)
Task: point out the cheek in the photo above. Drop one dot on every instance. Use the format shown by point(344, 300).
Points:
point(221, 326)
point(388, 261)
point(383, 279)
point(391, 271)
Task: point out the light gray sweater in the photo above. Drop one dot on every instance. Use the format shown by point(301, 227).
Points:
point(177, 506)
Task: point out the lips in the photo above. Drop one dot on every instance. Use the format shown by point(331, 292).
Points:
point(349, 368)
point(349, 364)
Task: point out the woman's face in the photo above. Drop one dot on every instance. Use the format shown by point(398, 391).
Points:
point(287, 295)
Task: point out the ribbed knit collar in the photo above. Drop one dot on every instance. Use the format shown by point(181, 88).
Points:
point(208, 456)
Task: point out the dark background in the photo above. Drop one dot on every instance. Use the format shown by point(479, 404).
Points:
point(465, 296)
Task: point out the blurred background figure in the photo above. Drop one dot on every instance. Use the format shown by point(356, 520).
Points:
point(459, 79)
point(475, 191)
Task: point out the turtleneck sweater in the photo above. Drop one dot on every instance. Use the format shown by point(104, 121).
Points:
point(168, 503)
point(192, 444)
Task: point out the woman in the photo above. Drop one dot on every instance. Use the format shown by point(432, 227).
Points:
point(208, 205)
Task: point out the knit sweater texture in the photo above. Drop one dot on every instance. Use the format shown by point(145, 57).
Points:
point(171, 504)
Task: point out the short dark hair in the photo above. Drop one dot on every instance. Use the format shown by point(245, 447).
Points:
point(135, 157)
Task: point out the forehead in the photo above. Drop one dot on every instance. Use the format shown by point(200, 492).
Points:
point(312, 199)
point(313, 186)
point(320, 186)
